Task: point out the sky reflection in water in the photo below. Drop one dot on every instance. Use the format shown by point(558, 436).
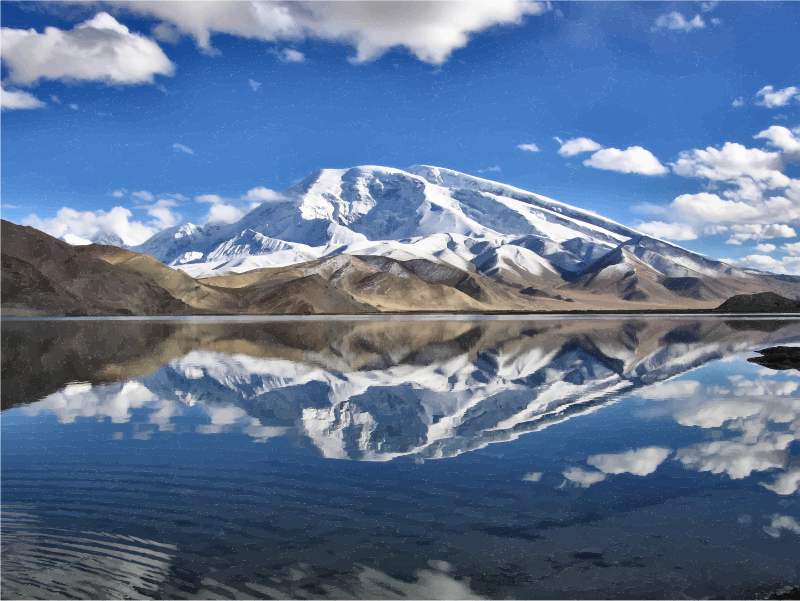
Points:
point(551, 459)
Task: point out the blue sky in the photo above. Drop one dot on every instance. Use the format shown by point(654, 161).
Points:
point(197, 112)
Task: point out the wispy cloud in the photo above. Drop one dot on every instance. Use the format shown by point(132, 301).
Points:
point(17, 99)
point(182, 148)
point(255, 85)
point(529, 147)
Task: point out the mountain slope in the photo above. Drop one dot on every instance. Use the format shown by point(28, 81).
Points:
point(513, 238)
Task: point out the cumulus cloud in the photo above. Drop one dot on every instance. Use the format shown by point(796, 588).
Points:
point(577, 146)
point(431, 31)
point(101, 49)
point(765, 248)
point(793, 248)
point(731, 163)
point(17, 99)
point(737, 102)
point(772, 98)
point(291, 56)
point(262, 194)
point(783, 138)
point(530, 147)
point(221, 209)
point(532, 477)
point(254, 84)
point(119, 193)
point(767, 263)
point(676, 21)
point(162, 213)
point(782, 522)
point(786, 483)
point(757, 231)
point(85, 224)
point(736, 458)
point(633, 160)
point(182, 148)
point(667, 231)
point(583, 478)
point(640, 462)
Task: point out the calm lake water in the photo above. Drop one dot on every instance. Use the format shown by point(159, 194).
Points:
point(493, 458)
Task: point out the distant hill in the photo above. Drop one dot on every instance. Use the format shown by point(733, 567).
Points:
point(763, 302)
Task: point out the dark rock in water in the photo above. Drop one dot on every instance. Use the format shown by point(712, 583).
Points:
point(763, 302)
point(779, 357)
point(787, 592)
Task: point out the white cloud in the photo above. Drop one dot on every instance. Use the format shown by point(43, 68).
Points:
point(143, 195)
point(101, 49)
point(431, 31)
point(715, 230)
point(224, 212)
point(774, 98)
point(716, 21)
point(782, 522)
point(262, 194)
point(16, 99)
point(532, 477)
point(254, 84)
point(119, 193)
point(85, 224)
point(708, 6)
point(583, 478)
point(291, 56)
point(667, 231)
point(793, 248)
point(784, 139)
point(530, 147)
point(576, 146)
point(761, 262)
point(640, 462)
point(163, 216)
point(731, 163)
point(221, 209)
point(676, 20)
point(671, 390)
point(633, 160)
point(737, 102)
point(75, 240)
point(182, 148)
point(757, 231)
point(74, 107)
point(735, 457)
point(765, 248)
point(786, 483)
point(55, 99)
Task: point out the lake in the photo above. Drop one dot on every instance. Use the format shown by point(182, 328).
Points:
point(551, 457)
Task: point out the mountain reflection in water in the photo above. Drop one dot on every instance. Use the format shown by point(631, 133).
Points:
point(380, 391)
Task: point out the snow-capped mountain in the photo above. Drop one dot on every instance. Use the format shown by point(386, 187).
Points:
point(519, 239)
point(427, 212)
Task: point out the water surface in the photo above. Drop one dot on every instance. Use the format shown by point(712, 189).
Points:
point(383, 458)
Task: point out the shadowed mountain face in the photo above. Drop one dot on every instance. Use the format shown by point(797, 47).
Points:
point(368, 390)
